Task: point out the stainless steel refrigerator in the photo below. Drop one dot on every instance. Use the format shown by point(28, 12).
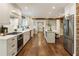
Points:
point(69, 34)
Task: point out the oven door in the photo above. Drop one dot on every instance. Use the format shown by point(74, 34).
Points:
point(19, 42)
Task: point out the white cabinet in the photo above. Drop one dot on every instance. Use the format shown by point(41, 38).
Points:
point(8, 47)
point(7, 11)
point(32, 33)
point(4, 13)
point(26, 37)
point(50, 36)
point(12, 46)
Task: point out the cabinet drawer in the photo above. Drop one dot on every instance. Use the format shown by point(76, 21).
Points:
point(12, 52)
point(12, 40)
point(12, 46)
point(51, 37)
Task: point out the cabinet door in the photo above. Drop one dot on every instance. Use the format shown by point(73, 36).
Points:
point(12, 46)
point(12, 52)
point(31, 33)
point(4, 14)
point(26, 37)
point(50, 37)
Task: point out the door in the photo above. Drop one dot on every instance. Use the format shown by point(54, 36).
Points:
point(69, 34)
point(40, 26)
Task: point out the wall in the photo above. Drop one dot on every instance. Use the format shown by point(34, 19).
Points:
point(25, 23)
point(58, 26)
point(52, 23)
point(61, 27)
point(77, 25)
point(70, 9)
point(30, 22)
point(55, 25)
point(35, 23)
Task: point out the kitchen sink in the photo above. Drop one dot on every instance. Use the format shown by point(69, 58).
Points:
point(14, 33)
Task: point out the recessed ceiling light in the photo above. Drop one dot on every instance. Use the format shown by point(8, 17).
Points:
point(53, 7)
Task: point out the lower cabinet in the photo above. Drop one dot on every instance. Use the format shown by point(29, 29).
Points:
point(12, 46)
point(32, 33)
point(12, 52)
point(8, 47)
point(26, 37)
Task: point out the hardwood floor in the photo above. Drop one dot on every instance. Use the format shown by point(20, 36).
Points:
point(38, 46)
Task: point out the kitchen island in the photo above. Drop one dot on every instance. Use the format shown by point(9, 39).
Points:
point(49, 36)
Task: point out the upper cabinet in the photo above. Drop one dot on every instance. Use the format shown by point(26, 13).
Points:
point(7, 12)
point(14, 12)
point(4, 14)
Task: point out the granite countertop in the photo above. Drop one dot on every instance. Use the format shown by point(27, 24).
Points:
point(10, 36)
point(6, 37)
point(50, 31)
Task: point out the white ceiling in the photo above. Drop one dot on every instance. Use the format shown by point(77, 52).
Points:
point(42, 10)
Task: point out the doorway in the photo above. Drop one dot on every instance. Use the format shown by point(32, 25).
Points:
point(40, 27)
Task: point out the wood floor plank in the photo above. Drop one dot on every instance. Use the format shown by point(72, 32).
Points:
point(38, 46)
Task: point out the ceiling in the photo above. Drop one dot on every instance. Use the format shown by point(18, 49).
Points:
point(43, 10)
